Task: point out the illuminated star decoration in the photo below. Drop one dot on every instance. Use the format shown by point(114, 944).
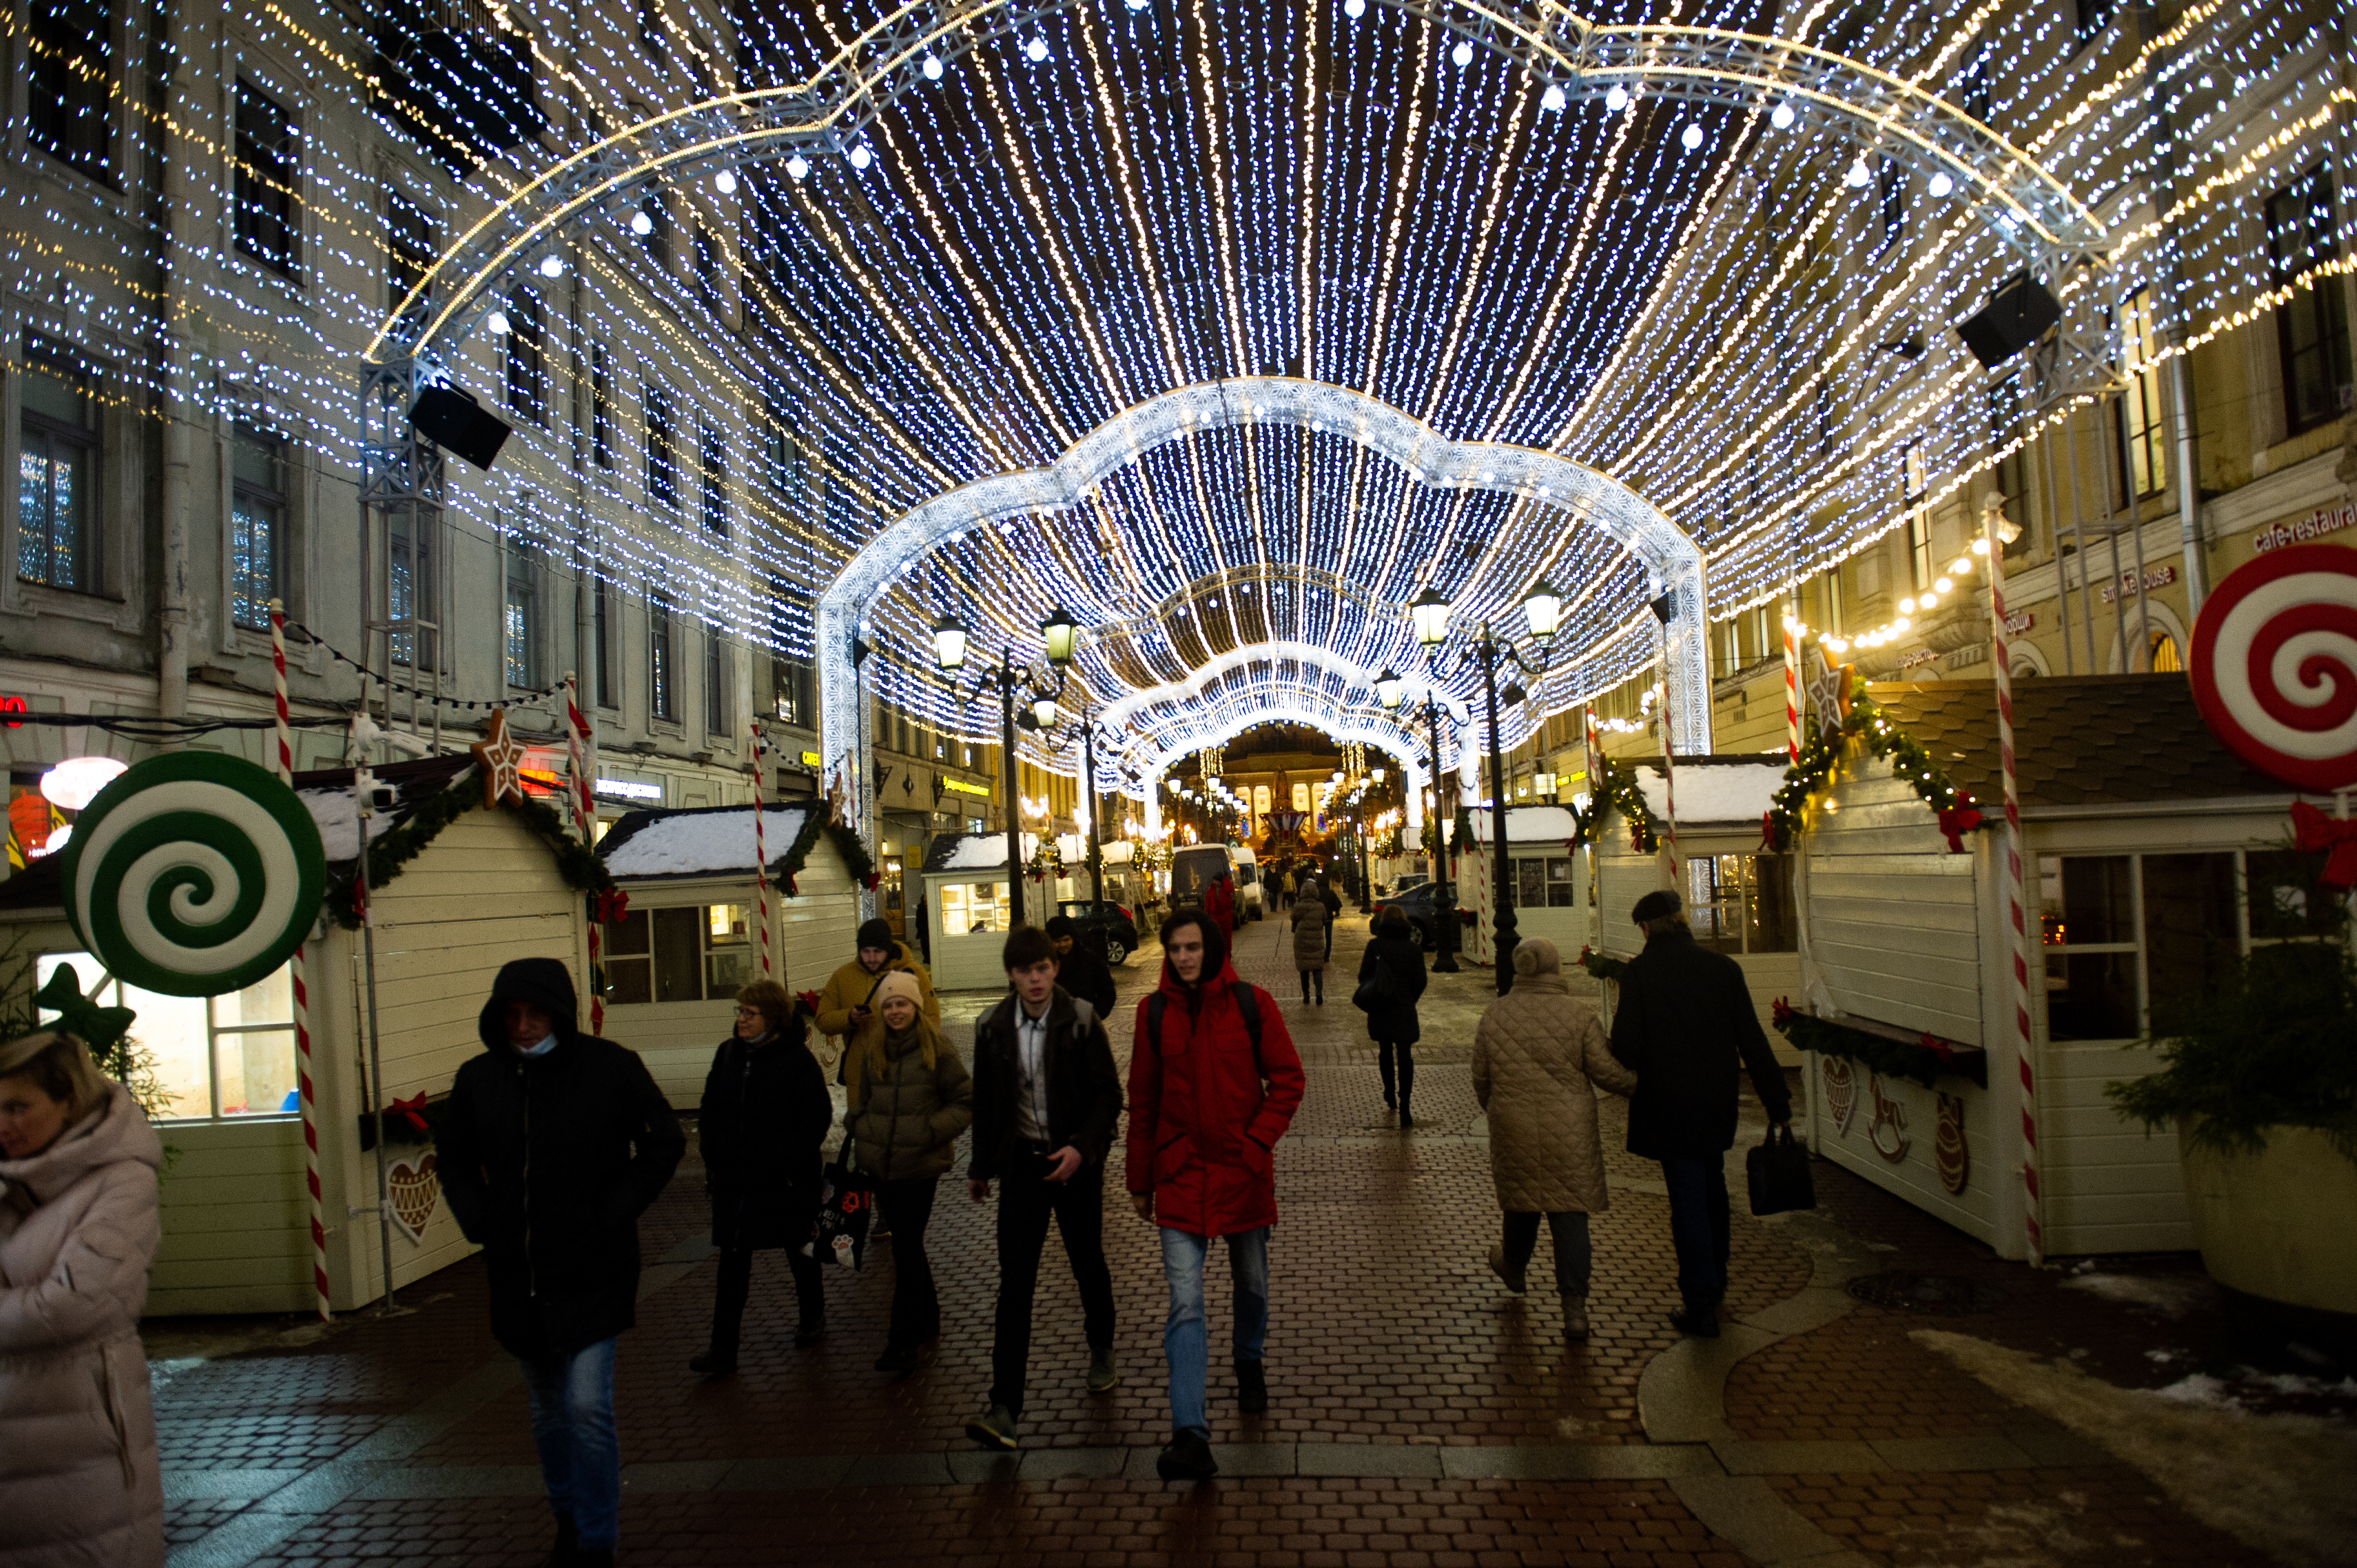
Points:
point(500, 756)
point(1828, 689)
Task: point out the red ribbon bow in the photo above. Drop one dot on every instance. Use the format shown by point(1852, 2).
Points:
point(1938, 1047)
point(410, 1108)
point(809, 1000)
point(1779, 1012)
point(2312, 832)
point(1768, 830)
point(610, 905)
point(1958, 820)
point(874, 879)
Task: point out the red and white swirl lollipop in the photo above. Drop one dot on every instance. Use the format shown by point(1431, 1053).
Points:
point(2274, 664)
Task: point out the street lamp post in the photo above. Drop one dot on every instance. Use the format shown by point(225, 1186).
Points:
point(950, 640)
point(1503, 925)
point(1388, 690)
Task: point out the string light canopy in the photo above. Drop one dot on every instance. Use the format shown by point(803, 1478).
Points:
point(997, 231)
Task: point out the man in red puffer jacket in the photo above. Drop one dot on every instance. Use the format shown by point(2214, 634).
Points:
point(1213, 1083)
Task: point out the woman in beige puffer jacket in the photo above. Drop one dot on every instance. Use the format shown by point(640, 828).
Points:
point(911, 1098)
point(79, 1482)
point(1536, 1060)
point(1312, 937)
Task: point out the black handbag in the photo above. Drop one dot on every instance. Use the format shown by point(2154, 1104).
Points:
point(1376, 989)
point(1779, 1174)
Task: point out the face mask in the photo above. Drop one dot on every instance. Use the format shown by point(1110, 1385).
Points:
point(547, 1044)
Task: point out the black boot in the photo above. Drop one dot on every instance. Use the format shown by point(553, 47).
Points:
point(1252, 1388)
point(568, 1544)
point(809, 1331)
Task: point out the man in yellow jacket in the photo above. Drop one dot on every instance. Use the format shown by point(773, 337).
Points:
point(846, 1007)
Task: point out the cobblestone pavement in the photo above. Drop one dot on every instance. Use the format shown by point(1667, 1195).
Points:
point(1418, 1413)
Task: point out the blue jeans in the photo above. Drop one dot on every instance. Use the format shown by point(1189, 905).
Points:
point(573, 1426)
point(1699, 1228)
point(1186, 1339)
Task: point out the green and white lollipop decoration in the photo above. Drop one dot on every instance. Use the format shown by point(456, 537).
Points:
point(193, 874)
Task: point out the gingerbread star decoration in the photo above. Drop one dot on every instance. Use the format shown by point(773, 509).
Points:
point(1828, 688)
point(500, 756)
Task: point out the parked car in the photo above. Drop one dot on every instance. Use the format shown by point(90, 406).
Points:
point(1420, 902)
point(1117, 924)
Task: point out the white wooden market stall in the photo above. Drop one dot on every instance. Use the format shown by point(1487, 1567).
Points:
point(483, 885)
point(1550, 881)
point(1739, 901)
point(691, 937)
point(2152, 855)
point(969, 910)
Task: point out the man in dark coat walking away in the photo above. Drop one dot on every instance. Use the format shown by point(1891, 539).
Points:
point(1047, 1098)
point(1213, 1083)
point(551, 1145)
point(1684, 1025)
point(1080, 971)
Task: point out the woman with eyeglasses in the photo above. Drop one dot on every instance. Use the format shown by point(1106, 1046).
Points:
point(766, 1111)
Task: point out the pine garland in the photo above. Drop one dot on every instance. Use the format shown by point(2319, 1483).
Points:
point(1921, 1062)
point(1870, 722)
point(1602, 965)
point(1617, 786)
point(391, 852)
point(848, 844)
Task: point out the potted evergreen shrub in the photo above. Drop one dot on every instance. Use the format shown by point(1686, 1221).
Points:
point(2259, 1080)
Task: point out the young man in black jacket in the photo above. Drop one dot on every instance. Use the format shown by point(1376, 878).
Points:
point(1686, 1025)
point(1080, 972)
point(1047, 1098)
point(552, 1144)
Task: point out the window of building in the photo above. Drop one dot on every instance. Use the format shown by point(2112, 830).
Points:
point(1550, 882)
point(2143, 463)
point(2094, 15)
point(702, 952)
point(409, 252)
point(784, 456)
point(520, 614)
point(70, 98)
point(974, 907)
point(257, 525)
point(2312, 326)
point(1742, 903)
point(57, 472)
point(2162, 656)
point(1890, 190)
point(215, 1057)
point(663, 659)
point(525, 366)
point(662, 448)
point(411, 568)
point(606, 625)
point(1974, 87)
point(268, 165)
point(1914, 490)
point(711, 452)
point(708, 267)
point(2125, 932)
point(656, 238)
point(601, 408)
point(651, 30)
point(718, 718)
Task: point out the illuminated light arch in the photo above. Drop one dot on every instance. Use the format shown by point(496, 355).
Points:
point(2025, 205)
point(1672, 561)
point(1301, 706)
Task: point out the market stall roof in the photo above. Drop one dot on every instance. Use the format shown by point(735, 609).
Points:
point(2078, 740)
point(1722, 787)
point(1529, 824)
point(697, 840)
point(326, 793)
point(973, 852)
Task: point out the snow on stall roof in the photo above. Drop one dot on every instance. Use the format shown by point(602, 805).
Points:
point(1528, 825)
point(338, 819)
point(1715, 791)
point(979, 852)
point(710, 842)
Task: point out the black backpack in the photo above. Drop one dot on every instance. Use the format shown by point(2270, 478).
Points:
point(1247, 997)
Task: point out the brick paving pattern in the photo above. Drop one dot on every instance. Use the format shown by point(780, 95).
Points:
point(1387, 1332)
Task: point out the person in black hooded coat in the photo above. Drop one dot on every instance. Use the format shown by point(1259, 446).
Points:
point(764, 1115)
point(551, 1146)
point(1392, 1022)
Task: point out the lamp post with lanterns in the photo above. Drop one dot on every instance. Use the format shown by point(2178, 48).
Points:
point(1055, 634)
point(1388, 688)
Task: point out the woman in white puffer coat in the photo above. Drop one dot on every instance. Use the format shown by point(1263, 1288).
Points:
point(78, 1479)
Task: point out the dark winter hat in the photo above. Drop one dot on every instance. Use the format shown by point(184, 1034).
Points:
point(1658, 905)
point(1215, 947)
point(545, 983)
point(877, 933)
point(1063, 926)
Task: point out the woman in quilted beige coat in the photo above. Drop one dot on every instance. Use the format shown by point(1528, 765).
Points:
point(1536, 1058)
point(79, 1480)
point(1312, 940)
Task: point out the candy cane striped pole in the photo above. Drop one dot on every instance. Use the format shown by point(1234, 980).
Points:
point(2016, 932)
point(761, 847)
point(302, 993)
point(579, 756)
point(1793, 678)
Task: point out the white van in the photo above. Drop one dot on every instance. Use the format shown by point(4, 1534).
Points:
point(1249, 896)
point(1198, 865)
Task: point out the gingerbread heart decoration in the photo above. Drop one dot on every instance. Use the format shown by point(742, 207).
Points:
point(415, 1189)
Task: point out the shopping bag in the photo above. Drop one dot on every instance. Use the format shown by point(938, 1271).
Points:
point(846, 1202)
point(1778, 1173)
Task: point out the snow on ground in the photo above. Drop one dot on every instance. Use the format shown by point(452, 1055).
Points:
point(709, 842)
point(2278, 1482)
point(2172, 1294)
